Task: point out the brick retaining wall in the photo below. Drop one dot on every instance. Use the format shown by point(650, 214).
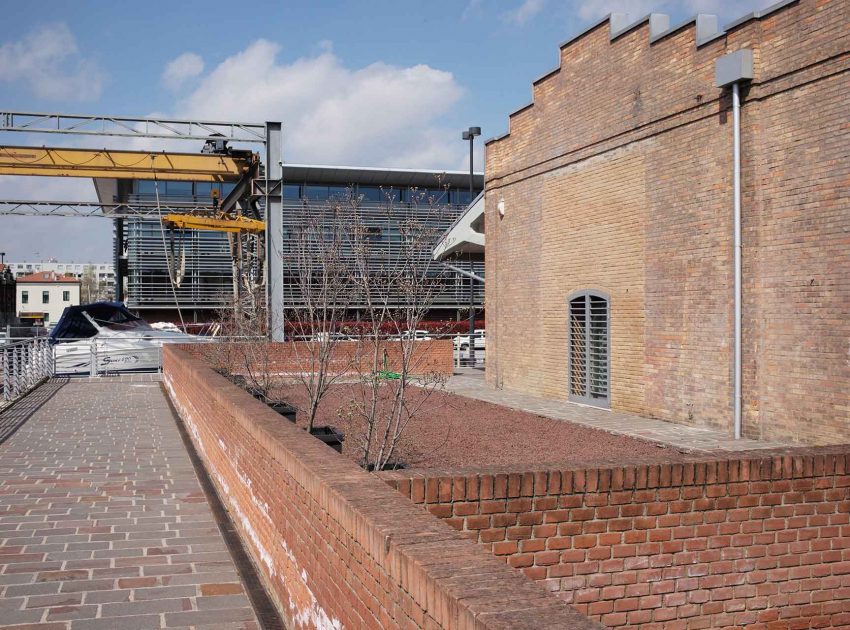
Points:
point(336, 546)
point(756, 540)
point(294, 356)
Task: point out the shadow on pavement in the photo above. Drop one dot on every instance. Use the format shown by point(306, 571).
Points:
point(15, 415)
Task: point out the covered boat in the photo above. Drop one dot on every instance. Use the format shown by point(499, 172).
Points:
point(112, 336)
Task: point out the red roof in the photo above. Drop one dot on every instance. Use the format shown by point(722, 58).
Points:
point(48, 276)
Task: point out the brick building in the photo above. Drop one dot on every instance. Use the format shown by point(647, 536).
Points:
point(609, 205)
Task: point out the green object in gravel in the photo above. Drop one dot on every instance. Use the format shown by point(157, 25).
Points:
point(386, 374)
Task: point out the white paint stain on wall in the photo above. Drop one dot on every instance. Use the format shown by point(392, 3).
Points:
point(304, 614)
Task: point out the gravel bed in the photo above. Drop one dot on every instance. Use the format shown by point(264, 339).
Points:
point(454, 431)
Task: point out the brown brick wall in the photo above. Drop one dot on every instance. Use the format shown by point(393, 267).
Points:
point(289, 357)
point(761, 541)
point(618, 178)
point(336, 547)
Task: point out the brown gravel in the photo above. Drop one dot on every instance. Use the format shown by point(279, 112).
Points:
point(458, 432)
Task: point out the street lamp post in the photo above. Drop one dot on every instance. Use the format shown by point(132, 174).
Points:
point(470, 135)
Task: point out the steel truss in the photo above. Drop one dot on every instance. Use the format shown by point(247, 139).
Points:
point(130, 127)
point(218, 269)
point(94, 209)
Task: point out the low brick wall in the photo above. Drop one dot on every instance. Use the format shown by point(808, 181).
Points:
point(288, 357)
point(337, 547)
point(755, 540)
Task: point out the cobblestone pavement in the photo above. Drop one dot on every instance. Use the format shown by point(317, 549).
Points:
point(16, 415)
point(471, 383)
point(103, 521)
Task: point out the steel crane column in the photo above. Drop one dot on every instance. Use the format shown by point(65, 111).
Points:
point(274, 229)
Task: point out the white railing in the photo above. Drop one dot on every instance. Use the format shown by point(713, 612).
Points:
point(26, 362)
point(23, 366)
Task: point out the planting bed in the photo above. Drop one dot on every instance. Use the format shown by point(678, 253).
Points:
point(455, 431)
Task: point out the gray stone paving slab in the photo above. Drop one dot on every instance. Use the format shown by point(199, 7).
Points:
point(471, 383)
point(103, 521)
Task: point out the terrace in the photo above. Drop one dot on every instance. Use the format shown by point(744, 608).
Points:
point(511, 512)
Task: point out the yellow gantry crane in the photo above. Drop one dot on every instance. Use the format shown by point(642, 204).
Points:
point(215, 163)
point(227, 224)
point(203, 167)
point(94, 163)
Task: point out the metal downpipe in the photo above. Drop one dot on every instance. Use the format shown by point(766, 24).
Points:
point(736, 185)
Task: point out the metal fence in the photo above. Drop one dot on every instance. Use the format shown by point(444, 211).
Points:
point(462, 355)
point(23, 365)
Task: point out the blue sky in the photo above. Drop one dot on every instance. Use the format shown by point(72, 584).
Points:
point(374, 83)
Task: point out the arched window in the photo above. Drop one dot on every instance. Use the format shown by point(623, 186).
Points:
point(589, 348)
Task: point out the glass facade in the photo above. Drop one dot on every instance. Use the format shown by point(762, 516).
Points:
point(187, 192)
point(201, 261)
point(379, 194)
point(384, 211)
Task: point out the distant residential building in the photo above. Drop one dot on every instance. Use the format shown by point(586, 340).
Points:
point(42, 296)
point(98, 279)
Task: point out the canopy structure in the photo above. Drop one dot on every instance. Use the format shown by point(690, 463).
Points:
point(465, 237)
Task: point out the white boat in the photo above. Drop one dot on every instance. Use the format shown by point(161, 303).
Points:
point(112, 336)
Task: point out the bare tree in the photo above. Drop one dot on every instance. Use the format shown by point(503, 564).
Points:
point(246, 353)
point(90, 287)
point(316, 254)
point(395, 285)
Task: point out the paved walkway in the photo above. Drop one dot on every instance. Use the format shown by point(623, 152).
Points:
point(471, 383)
point(103, 521)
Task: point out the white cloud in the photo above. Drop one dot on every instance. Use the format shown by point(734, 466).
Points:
point(472, 9)
point(49, 62)
point(378, 115)
point(524, 12)
point(596, 9)
point(181, 69)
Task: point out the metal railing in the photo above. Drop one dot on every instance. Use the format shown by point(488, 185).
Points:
point(463, 357)
point(25, 363)
point(23, 366)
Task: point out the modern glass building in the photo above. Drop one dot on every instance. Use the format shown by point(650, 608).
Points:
point(201, 262)
point(386, 199)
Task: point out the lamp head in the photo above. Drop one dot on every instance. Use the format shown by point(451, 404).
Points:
point(465, 135)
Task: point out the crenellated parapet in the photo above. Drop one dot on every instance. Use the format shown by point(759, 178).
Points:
point(620, 76)
point(652, 37)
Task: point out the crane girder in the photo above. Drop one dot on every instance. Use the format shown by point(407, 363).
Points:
point(63, 162)
point(215, 224)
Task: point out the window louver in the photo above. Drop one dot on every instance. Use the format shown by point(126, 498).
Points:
point(588, 348)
